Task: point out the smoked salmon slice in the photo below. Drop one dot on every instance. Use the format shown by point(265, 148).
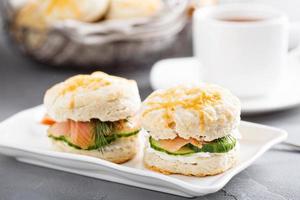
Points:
point(78, 133)
point(47, 120)
point(81, 134)
point(59, 129)
point(176, 144)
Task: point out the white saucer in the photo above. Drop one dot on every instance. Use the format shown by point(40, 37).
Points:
point(170, 72)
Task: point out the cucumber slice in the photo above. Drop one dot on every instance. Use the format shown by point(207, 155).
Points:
point(64, 139)
point(183, 151)
point(109, 139)
point(127, 134)
point(221, 145)
point(125, 127)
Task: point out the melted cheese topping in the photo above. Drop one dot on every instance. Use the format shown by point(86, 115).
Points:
point(84, 83)
point(188, 98)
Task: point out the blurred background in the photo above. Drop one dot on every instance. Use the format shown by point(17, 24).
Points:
point(44, 42)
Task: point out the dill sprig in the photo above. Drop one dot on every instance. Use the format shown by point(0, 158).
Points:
point(101, 132)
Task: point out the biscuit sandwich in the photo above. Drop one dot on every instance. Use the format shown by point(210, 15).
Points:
point(94, 115)
point(192, 130)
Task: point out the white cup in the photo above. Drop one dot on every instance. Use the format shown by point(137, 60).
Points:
point(242, 47)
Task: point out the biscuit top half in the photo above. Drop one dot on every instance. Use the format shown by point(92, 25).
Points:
point(202, 111)
point(96, 96)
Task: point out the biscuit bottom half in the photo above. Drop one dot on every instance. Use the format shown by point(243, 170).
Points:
point(119, 151)
point(202, 166)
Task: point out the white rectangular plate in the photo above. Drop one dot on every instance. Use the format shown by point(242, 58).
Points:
point(22, 137)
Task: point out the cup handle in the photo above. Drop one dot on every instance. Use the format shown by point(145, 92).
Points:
point(294, 38)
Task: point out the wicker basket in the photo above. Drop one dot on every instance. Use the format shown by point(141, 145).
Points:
point(102, 43)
